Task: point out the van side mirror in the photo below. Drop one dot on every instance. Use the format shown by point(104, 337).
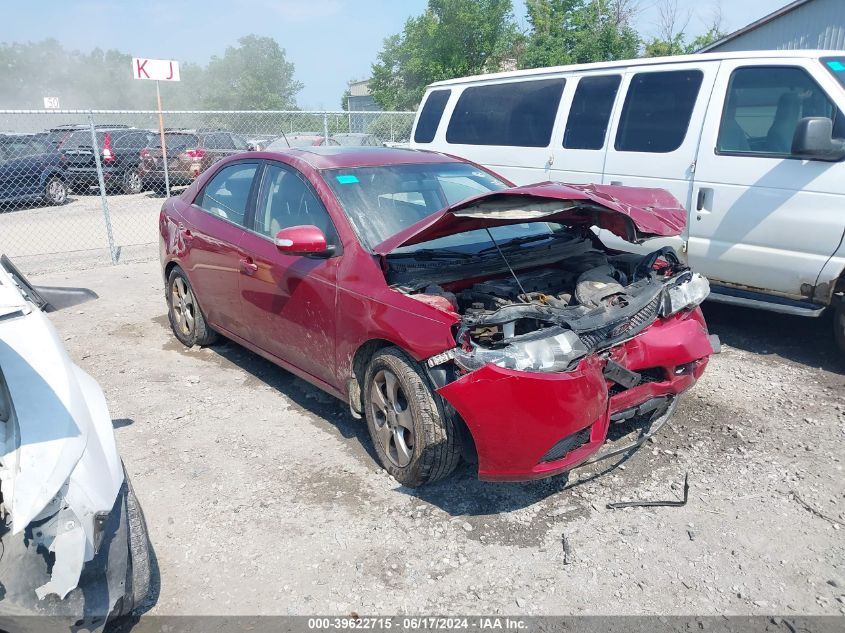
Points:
point(303, 240)
point(813, 140)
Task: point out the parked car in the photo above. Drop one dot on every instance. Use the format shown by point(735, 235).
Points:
point(358, 139)
point(30, 171)
point(189, 153)
point(300, 139)
point(459, 314)
point(56, 136)
point(752, 143)
point(73, 536)
point(120, 152)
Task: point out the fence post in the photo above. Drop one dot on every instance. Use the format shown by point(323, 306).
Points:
point(103, 198)
point(326, 127)
point(392, 139)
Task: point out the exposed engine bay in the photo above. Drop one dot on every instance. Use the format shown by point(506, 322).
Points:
point(546, 318)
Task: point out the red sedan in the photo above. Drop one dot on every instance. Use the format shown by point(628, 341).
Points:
point(461, 316)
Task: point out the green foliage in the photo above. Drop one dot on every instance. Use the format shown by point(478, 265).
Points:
point(677, 45)
point(253, 75)
point(453, 38)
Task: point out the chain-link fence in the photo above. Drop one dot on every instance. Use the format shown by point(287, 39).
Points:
point(80, 188)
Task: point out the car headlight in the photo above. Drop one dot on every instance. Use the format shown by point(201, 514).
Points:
point(548, 350)
point(686, 295)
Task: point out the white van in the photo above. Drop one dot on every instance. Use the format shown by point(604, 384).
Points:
point(752, 144)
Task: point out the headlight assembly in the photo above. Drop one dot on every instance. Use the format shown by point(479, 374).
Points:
point(547, 350)
point(685, 296)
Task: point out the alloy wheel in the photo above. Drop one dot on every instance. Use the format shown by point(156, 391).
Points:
point(394, 423)
point(56, 191)
point(132, 182)
point(183, 306)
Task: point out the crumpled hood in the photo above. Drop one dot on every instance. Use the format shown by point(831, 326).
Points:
point(632, 213)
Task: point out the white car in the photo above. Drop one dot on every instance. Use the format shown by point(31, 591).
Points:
point(72, 536)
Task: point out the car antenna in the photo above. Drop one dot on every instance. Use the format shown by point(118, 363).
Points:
point(507, 263)
point(285, 136)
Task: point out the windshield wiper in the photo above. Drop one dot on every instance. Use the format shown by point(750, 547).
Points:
point(435, 253)
point(519, 241)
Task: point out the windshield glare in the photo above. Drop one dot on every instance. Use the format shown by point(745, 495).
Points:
point(381, 201)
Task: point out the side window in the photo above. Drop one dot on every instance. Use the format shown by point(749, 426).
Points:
point(430, 115)
point(227, 194)
point(589, 114)
point(518, 114)
point(763, 106)
point(240, 143)
point(286, 200)
point(657, 111)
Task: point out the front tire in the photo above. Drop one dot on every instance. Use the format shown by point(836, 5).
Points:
point(55, 191)
point(414, 438)
point(139, 570)
point(132, 182)
point(839, 324)
point(184, 313)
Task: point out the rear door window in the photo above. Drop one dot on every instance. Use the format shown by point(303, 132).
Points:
point(657, 111)
point(430, 115)
point(590, 112)
point(518, 114)
point(227, 193)
point(763, 107)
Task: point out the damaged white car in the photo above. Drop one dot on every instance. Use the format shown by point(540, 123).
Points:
point(74, 540)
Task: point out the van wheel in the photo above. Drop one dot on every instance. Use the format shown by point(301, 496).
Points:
point(416, 442)
point(839, 324)
point(55, 191)
point(184, 313)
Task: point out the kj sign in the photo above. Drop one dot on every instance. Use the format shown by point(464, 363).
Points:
point(155, 69)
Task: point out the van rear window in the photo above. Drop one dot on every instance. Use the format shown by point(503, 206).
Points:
point(430, 115)
point(836, 67)
point(657, 111)
point(520, 114)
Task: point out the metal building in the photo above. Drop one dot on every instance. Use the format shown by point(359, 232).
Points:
point(802, 24)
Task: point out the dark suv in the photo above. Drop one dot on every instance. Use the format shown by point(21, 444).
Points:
point(120, 155)
point(30, 170)
point(189, 153)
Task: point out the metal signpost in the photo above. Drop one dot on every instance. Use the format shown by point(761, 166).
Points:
point(158, 70)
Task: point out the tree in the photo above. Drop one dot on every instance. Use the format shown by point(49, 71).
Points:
point(579, 31)
point(672, 25)
point(255, 75)
point(453, 38)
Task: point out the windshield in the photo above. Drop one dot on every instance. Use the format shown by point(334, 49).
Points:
point(836, 67)
point(381, 201)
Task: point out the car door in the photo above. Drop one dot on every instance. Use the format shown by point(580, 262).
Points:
point(212, 229)
point(22, 169)
point(655, 135)
point(763, 219)
point(289, 300)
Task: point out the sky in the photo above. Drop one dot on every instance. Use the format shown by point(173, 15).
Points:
point(330, 42)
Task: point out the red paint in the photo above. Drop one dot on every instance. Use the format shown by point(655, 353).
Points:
point(311, 315)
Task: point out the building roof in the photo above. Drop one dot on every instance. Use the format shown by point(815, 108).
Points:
point(757, 23)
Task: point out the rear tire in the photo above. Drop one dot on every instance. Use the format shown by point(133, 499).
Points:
point(414, 438)
point(131, 182)
point(839, 324)
point(184, 313)
point(55, 191)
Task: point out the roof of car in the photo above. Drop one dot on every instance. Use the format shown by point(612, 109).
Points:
point(334, 156)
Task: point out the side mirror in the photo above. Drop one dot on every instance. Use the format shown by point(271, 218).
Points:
point(813, 140)
point(303, 240)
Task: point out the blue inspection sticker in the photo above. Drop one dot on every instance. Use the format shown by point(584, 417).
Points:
point(836, 66)
point(347, 179)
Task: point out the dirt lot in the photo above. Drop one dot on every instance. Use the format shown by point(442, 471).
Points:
point(262, 495)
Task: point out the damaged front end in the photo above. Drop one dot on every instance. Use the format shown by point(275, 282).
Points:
point(63, 493)
point(557, 337)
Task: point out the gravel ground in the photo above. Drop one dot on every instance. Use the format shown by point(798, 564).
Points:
point(262, 495)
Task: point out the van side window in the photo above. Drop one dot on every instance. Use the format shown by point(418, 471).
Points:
point(519, 114)
point(763, 107)
point(657, 111)
point(589, 114)
point(430, 115)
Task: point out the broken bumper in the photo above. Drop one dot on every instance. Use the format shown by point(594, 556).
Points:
point(534, 425)
point(25, 566)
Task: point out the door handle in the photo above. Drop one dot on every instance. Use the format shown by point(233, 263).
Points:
point(248, 267)
point(704, 201)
